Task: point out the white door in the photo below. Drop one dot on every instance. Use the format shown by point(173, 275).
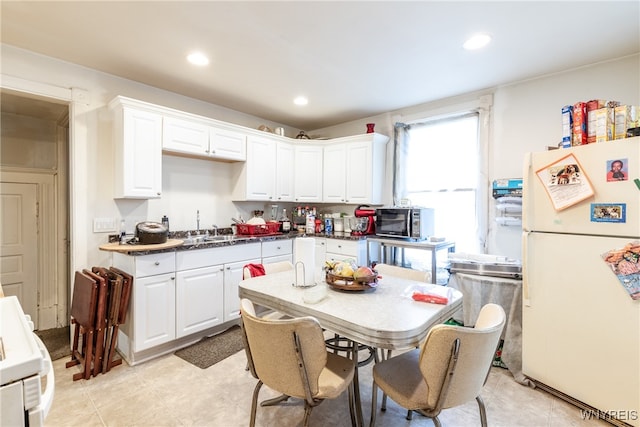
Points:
point(19, 244)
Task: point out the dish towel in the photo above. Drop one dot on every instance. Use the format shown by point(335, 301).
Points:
point(255, 269)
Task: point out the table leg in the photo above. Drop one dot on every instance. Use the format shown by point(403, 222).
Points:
point(356, 385)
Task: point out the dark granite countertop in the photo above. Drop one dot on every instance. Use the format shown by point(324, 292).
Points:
point(238, 240)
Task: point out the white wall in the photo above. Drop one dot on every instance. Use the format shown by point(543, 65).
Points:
point(188, 184)
point(526, 117)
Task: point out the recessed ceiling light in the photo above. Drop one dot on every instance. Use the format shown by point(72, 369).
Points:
point(198, 58)
point(477, 41)
point(301, 100)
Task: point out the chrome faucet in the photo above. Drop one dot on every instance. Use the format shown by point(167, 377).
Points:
point(198, 222)
point(215, 229)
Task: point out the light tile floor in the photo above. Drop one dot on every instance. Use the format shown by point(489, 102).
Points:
point(169, 391)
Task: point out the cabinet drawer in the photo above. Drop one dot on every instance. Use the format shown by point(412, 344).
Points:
point(199, 258)
point(150, 265)
point(342, 247)
point(277, 247)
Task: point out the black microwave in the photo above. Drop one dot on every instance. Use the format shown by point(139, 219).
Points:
point(405, 222)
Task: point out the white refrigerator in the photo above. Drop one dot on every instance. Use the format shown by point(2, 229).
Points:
point(581, 325)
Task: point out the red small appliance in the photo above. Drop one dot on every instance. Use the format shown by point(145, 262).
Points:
point(364, 228)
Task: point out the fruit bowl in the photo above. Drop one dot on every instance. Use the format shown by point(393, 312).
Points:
point(350, 283)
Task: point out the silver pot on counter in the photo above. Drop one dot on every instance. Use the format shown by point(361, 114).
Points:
point(151, 233)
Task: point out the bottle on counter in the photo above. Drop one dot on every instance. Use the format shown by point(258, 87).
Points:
point(123, 233)
point(284, 221)
point(165, 222)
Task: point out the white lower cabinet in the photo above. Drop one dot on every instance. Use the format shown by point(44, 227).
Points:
point(277, 250)
point(199, 299)
point(151, 320)
point(210, 279)
point(154, 305)
point(338, 250)
point(232, 278)
point(180, 294)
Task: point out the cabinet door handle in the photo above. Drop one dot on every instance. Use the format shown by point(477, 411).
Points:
point(228, 268)
point(213, 151)
point(173, 278)
point(278, 248)
point(221, 269)
point(157, 263)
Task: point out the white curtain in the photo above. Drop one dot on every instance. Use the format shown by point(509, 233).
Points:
point(400, 144)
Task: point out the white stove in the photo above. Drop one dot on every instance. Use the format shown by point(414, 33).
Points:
point(24, 363)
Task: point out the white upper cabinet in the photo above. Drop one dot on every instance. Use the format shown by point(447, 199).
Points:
point(354, 169)
point(201, 138)
point(138, 150)
point(308, 173)
point(268, 173)
point(227, 144)
point(285, 155)
point(255, 179)
point(335, 165)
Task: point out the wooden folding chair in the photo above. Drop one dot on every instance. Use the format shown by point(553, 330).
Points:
point(114, 290)
point(83, 313)
point(120, 317)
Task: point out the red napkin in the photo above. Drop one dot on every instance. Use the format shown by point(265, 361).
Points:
point(255, 269)
point(432, 298)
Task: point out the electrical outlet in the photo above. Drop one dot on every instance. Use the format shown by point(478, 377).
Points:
point(104, 225)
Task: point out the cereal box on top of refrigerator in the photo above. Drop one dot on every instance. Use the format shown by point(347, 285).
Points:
point(567, 125)
point(579, 134)
point(592, 106)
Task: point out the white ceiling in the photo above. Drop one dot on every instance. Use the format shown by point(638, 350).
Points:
point(352, 59)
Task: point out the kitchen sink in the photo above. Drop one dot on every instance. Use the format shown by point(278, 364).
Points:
point(227, 238)
point(193, 240)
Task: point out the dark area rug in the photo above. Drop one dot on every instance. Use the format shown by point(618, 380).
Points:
point(57, 342)
point(209, 351)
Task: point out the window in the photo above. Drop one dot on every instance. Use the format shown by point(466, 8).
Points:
point(439, 165)
point(442, 173)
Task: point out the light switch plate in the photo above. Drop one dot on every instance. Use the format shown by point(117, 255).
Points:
point(104, 225)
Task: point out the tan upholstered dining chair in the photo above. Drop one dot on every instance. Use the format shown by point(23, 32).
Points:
point(449, 370)
point(403, 272)
point(269, 268)
point(289, 356)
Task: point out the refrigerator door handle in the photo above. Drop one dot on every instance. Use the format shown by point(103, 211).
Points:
point(526, 298)
point(526, 176)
